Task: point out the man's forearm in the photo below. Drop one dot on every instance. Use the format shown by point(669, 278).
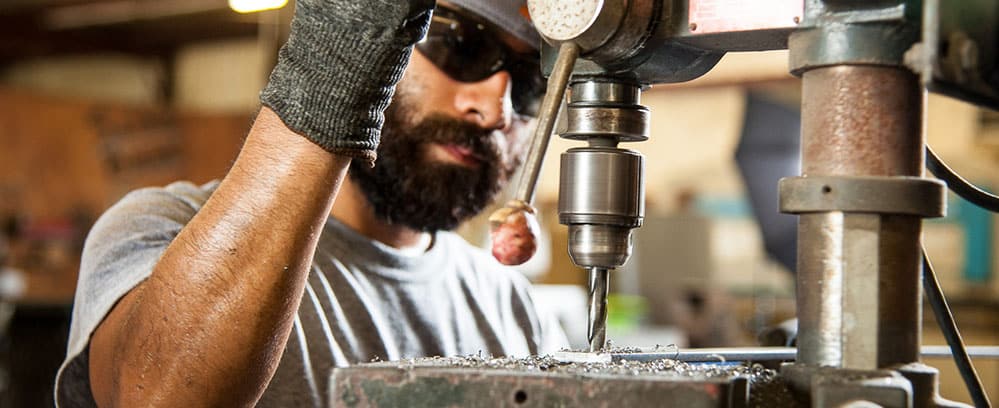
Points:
point(209, 326)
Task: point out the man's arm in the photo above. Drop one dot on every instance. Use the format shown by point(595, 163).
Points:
point(210, 324)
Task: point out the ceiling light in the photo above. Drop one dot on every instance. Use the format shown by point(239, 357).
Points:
point(252, 6)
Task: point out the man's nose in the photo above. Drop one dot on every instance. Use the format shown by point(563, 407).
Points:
point(486, 102)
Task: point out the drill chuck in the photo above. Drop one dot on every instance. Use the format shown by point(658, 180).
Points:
point(601, 199)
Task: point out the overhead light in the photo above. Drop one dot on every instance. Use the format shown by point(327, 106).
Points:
point(253, 6)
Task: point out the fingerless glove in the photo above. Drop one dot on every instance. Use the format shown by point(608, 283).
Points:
point(338, 70)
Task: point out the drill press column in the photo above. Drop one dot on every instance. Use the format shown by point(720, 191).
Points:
point(860, 201)
point(860, 121)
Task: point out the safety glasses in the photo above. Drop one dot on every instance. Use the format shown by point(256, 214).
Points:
point(469, 50)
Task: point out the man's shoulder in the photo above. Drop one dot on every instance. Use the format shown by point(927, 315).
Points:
point(153, 210)
point(184, 192)
point(178, 198)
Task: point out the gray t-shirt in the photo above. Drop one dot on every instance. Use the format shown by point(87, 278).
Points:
point(363, 300)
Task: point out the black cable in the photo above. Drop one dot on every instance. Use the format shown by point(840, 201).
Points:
point(968, 191)
point(949, 328)
point(963, 188)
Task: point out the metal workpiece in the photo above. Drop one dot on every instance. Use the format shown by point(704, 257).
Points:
point(544, 381)
point(744, 354)
point(606, 109)
point(706, 355)
point(596, 330)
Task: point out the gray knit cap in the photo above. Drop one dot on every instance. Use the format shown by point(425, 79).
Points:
point(510, 15)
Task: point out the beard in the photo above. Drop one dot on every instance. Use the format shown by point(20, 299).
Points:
point(406, 188)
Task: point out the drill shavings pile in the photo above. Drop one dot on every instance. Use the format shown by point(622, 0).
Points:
point(550, 364)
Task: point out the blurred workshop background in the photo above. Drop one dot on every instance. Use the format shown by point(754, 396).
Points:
point(98, 97)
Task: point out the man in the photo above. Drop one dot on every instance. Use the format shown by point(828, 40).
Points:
point(250, 290)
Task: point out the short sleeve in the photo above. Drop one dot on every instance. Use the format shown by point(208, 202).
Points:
point(120, 252)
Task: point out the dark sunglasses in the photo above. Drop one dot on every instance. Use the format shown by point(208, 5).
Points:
point(470, 50)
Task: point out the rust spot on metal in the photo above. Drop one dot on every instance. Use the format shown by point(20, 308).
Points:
point(861, 120)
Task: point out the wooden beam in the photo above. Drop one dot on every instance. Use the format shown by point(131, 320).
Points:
point(23, 37)
point(29, 6)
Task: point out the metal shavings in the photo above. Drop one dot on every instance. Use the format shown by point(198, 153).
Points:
point(622, 350)
point(550, 364)
point(611, 349)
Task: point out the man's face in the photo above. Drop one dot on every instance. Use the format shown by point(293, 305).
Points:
point(435, 168)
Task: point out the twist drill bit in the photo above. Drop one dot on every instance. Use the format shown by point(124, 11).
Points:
point(597, 327)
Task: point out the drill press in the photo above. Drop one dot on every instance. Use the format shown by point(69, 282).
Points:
point(861, 196)
point(858, 282)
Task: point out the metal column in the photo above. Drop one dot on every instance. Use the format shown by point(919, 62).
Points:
point(858, 273)
point(860, 201)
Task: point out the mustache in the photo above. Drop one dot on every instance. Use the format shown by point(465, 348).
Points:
point(445, 130)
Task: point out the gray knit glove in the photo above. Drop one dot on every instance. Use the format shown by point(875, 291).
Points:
point(337, 72)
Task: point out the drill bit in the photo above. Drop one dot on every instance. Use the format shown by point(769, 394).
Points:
point(597, 327)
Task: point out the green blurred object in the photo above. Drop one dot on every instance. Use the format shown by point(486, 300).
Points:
point(626, 312)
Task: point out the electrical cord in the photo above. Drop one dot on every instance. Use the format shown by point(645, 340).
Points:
point(949, 328)
point(963, 188)
point(934, 294)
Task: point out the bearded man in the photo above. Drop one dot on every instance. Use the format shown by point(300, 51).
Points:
point(250, 290)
